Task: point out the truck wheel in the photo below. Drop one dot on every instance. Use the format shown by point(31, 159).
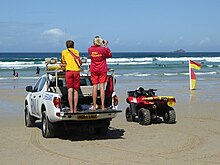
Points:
point(47, 127)
point(170, 116)
point(144, 116)
point(128, 115)
point(29, 120)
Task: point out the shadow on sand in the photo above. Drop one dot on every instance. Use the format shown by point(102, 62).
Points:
point(81, 134)
point(155, 121)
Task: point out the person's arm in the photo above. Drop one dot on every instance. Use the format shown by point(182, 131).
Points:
point(63, 62)
point(108, 52)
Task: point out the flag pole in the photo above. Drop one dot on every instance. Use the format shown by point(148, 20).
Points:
point(190, 81)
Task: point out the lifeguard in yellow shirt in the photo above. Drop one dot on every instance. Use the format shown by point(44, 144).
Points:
point(71, 61)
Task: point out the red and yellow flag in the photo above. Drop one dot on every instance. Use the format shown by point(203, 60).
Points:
point(192, 75)
point(193, 80)
point(195, 65)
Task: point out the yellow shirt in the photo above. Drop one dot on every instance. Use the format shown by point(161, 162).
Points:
point(68, 59)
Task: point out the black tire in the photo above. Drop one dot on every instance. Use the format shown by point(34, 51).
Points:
point(128, 115)
point(169, 116)
point(144, 116)
point(47, 127)
point(29, 120)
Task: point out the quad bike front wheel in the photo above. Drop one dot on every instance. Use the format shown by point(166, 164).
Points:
point(144, 116)
point(169, 116)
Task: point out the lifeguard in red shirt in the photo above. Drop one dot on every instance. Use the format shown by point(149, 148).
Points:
point(99, 68)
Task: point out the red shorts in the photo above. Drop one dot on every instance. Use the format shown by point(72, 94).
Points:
point(98, 77)
point(73, 79)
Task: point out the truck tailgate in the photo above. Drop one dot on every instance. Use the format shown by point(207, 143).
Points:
point(89, 115)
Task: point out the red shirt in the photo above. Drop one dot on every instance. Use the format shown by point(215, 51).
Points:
point(98, 57)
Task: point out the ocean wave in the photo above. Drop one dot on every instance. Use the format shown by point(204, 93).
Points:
point(150, 60)
point(135, 74)
point(212, 59)
point(130, 74)
point(14, 78)
point(143, 75)
point(213, 66)
point(130, 63)
point(170, 74)
point(20, 64)
point(116, 60)
point(186, 73)
point(28, 62)
point(167, 74)
point(204, 73)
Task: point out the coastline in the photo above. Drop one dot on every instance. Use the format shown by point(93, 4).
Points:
point(194, 139)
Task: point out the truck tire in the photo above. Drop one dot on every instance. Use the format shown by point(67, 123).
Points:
point(47, 127)
point(29, 120)
point(169, 116)
point(128, 115)
point(144, 116)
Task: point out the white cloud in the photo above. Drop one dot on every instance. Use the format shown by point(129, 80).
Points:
point(54, 35)
point(204, 41)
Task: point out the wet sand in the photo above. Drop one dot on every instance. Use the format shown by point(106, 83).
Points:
point(194, 139)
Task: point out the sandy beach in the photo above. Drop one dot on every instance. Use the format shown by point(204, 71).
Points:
point(194, 139)
point(164, 45)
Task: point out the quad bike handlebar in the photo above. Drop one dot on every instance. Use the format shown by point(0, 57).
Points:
point(150, 92)
point(142, 92)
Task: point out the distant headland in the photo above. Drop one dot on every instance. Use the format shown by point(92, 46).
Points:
point(179, 51)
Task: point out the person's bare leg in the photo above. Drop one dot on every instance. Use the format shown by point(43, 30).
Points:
point(94, 95)
point(70, 99)
point(75, 100)
point(102, 94)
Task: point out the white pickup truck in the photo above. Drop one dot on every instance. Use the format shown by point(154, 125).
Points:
point(47, 101)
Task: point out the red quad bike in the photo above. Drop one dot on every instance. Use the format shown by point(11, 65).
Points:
point(146, 107)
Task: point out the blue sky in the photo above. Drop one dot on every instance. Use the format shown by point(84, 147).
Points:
point(128, 25)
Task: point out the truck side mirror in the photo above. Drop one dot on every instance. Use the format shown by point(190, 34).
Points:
point(29, 88)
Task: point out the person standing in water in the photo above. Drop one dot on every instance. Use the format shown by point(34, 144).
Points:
point(13, 72)
point(37, 71)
